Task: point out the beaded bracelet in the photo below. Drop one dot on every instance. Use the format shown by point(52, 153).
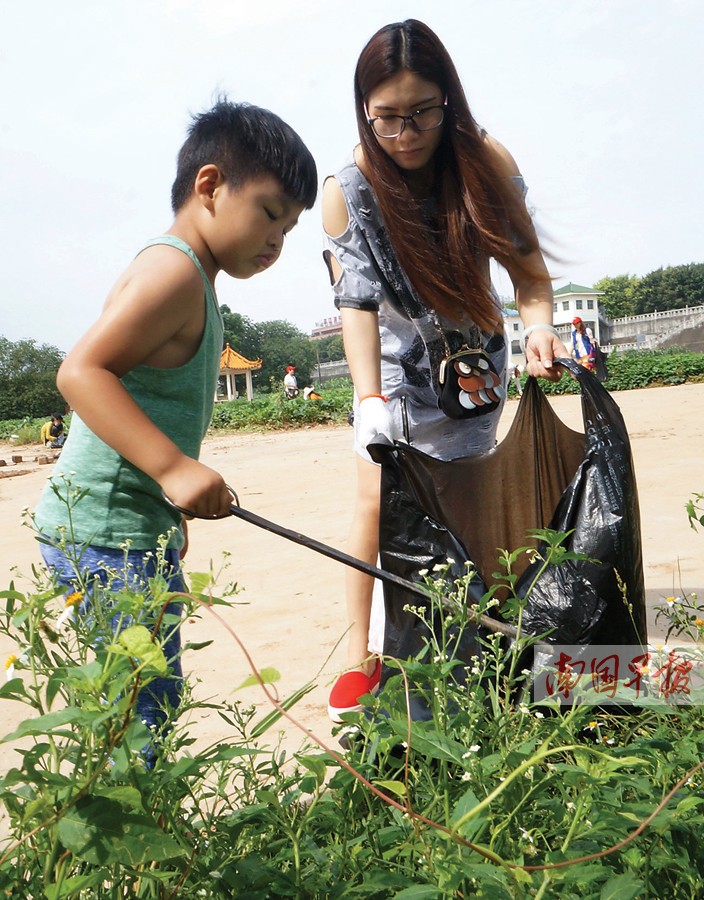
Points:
point(531, 328)
point(380, 396)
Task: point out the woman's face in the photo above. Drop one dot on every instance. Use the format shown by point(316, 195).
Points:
point(401, 95)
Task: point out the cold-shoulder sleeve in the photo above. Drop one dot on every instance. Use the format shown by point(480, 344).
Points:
point(358, 286)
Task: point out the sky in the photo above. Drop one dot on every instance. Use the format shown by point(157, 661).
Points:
point(595, 99)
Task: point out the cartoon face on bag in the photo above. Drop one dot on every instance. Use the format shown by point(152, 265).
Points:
point(479, 385)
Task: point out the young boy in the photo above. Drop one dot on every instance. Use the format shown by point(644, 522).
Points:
point(141, 381)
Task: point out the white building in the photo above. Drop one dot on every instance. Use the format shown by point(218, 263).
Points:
point(575, 300)
point(569, 301)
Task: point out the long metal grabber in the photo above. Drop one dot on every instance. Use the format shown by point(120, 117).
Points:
point(338, 555)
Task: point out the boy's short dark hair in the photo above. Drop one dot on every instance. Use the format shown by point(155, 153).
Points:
point(245, 142)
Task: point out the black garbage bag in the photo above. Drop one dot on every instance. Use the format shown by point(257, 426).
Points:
point(600, 367)
point(542, 475)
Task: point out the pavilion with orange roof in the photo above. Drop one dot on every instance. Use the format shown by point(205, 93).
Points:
point(233, 363)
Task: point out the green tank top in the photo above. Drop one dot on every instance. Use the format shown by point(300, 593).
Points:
point(122, 503)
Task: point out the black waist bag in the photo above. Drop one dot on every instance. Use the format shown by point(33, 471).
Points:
point(542, 474)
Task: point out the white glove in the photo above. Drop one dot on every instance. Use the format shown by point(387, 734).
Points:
point(375, 422)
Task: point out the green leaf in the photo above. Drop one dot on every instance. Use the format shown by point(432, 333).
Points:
point(13, 689)
point(47, 723)
point(316, 765)
point(268, 675)
point(688, 803)
point(622, 887)
point(273, 717)
point(200, 645)
point(392, 787)
point(200, 582)
point(608, 763)
point(418, 892)
point(430, 743)
point(101, 832)
point(138, 642)
point(466, 803)
point(71, 887)
point(121, 793)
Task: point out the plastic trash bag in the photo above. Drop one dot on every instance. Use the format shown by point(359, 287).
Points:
point(542, 474)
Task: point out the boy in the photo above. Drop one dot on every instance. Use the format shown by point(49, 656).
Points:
point(142, 379)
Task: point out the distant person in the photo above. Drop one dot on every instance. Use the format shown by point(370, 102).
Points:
point(583, 344)
point(309, 393)
point(290, 383)
point(142, 379)
point(45, 433)
point(516, 373)
point(52, 432)
point(56, 431)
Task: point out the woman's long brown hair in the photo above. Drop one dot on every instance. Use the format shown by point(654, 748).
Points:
point(480, 212)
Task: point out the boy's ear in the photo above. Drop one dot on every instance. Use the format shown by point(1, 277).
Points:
point(207, 179)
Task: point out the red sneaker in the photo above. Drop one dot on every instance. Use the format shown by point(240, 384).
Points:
point(347, 690)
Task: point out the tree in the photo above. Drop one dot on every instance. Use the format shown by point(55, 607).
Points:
point(330, 349)
point(619, 295)
point(671, 288)
point(28, 379)
point(280, 344)
point(240, 333)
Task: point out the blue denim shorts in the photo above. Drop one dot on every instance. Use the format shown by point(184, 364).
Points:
point(129, 569)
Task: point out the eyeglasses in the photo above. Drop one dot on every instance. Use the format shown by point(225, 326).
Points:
point(422, 120)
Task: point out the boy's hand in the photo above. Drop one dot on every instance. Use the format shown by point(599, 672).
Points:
point(197, 488)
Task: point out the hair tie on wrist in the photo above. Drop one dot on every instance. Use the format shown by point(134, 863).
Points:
point(531, 328)
point(380, 396)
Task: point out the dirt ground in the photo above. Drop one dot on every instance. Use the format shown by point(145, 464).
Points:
point(290, 613)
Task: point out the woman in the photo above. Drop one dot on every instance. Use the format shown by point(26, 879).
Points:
point(410, 226)
point(583, 344)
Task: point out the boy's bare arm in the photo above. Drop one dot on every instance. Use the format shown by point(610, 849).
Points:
point(154, 315)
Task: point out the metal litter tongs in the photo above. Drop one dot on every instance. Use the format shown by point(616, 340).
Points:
point(332, 553)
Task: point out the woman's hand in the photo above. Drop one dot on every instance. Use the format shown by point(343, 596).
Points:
point(375, 423)
point(542, 348)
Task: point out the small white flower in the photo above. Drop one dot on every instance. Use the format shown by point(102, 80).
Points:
point(570, 805)
point(466, 776)
point(450, 561)
point(524, 710)
point(422, 572)
point(474, 748)
point(539, 715)
point(67, 614)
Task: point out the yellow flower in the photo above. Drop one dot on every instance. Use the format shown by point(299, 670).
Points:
point(593, 724)
point(74, 599)
point(10, 661)
point(699, 622)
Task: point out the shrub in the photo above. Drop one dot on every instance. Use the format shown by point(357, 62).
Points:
point(637, 369)
point(491, 796)
point(273, 411)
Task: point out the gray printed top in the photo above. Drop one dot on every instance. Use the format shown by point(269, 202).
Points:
point(408, 329)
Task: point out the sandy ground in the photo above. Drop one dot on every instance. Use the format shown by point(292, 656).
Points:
point(290, 613)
